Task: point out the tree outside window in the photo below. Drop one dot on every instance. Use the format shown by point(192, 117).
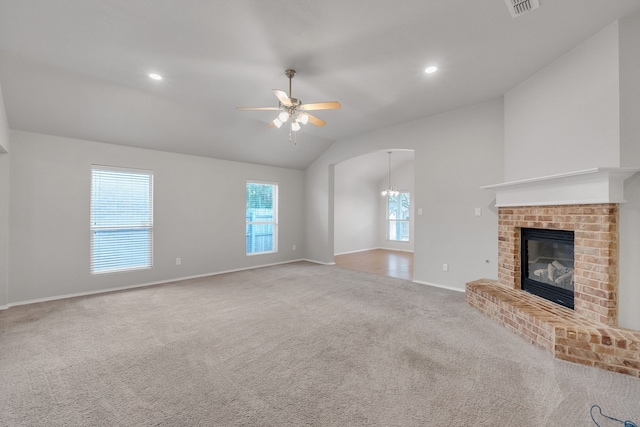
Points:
point(398, 216)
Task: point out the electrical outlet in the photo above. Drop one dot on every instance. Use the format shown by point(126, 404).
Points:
point(178, 261)
point(445, 267)
point(478, 211)
point(294, 247)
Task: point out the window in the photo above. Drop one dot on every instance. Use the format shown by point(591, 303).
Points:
point(262, 218)
point(121, 219)
point(398, 216)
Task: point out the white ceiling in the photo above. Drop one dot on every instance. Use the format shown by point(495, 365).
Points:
point(78, 68)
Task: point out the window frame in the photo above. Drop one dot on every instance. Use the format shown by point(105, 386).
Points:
point(93, 229)
point(274, 222)
point(389, 220)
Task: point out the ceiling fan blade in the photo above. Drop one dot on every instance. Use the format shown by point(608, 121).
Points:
point(316, 121)
point(271, 124)
point(331, 105)
point(256, 108)
point(282, 97)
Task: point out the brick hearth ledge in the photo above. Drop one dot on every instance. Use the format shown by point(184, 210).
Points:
point(559, 330)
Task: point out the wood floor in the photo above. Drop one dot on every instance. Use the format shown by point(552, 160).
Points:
point(379, 261)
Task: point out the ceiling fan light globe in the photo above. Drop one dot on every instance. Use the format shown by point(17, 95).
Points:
point(277, 122)
point(295, 126)
point(304, 118)
point(283, 116)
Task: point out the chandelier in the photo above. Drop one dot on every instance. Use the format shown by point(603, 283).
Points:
point(389, 190)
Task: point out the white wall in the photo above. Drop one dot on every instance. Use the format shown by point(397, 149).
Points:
point(566, 117)
point(630, 90)
point(629, 297)
point(4, 229)
point(629, 269)
point(403, 180)
point(455, 153)
point(198, 215)
point(463, 150)
point(319, 207)
point(356, 212)
point(582, 112)
point(4, 204)
point(4, 126)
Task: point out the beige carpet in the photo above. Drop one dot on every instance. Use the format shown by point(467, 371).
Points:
point(292, 345)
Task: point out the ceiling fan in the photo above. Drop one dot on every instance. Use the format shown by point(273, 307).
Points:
point(294, 109)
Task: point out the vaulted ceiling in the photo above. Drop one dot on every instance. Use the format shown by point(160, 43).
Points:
point(79, 68)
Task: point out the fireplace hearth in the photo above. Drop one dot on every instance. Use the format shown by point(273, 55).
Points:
point(547, 264)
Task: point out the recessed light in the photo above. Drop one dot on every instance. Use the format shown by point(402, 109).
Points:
point(430, 70)
point(155, 76)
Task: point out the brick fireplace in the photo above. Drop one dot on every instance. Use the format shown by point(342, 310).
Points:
point(595, 246)
point(588, 334)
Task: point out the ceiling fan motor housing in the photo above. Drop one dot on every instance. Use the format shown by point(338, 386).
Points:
point(294, 103)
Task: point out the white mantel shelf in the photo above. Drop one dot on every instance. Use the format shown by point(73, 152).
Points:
point(591, 186)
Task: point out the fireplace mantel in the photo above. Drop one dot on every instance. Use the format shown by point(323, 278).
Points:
point(591, 186)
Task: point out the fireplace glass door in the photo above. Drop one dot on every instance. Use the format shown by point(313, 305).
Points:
point(547, 264)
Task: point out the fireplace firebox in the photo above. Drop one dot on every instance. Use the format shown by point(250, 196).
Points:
point(547, 264)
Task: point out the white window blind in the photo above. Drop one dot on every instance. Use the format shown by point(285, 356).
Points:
point(261, 218)
point(121, 219)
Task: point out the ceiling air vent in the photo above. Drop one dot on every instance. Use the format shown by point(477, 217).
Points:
point(520, 7)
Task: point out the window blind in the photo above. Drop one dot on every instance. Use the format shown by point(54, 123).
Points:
point(121, 219)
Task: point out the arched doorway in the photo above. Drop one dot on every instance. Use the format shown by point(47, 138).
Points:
point(361, 222)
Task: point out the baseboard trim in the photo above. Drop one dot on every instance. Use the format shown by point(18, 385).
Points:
point(142, 285)
point(355, 252)
point(436, 285)
point(373, 249)
point(396, 249)
point(318, 262)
